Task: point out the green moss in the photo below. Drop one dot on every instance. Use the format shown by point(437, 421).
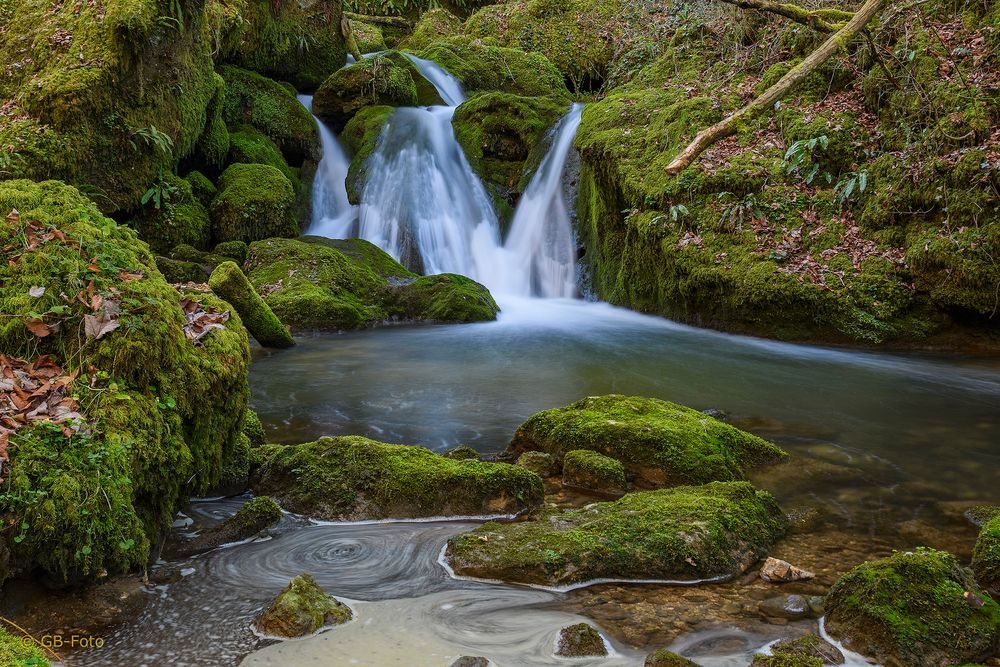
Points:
point(201, 187)
point(160, 413)
point(810, 647)
point(380, 80)
point(301, 609)
point(178, 271)
point(442, 298)
point(911, 608)
point(664, 658)
point(540, 463)
point(291, 41)
point(679, 533)
point(234, 479)
point(986, 557)
point(254, 202)
point(432, 26)
point(498, 132)
point(659, 442)
point(361, 136)
point(234, 250)
point(267, 105)
point(580, 640)
point(368, 36)
point(587, 469)
point(13, 652)
point(253, 429)
point(180, 218)
point(350, 478)
point(462, 452)
point(484, 68)
point(213, 145)
point(228, 281)
point(249, 145)
point(785, 660)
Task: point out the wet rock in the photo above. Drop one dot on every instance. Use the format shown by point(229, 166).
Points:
point(681, 533)
point(539, 462)
point(301, 609)
point(580, 640)
point(584, 469)
point(659, 443)
point(354, 478)
point(471, 661)
point(778, 571)
point(986, 558)
point(911, 609)
point(664, 658)
point(463, 452)
point(817, 603)
point(790, 607)
point(980, 515)
point(229, 282)
point(809, 646)
point(252, 518)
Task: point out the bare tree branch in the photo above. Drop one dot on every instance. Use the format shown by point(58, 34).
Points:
point(729, 126)
point(392, 21)
point(824, 20)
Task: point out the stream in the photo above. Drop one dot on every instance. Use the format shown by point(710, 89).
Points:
point(883, 446)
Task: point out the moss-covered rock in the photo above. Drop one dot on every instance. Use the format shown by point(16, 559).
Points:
point(809, 647)
point(248, 145)
point(388, 79)
point(16, 653)
point(498, 132)
point(485, 68)
point(432, 26)
point(541, 463)
point(664, 658)
point(173, 216)
point(253, 517)
point(202, 187)
point(229, 282)
point(234, 250)
point(213, 144)
point(586, 469)
point(660, 443)
point(252, 99)
point(178, 271)
point(300, 42)
point(302, 609)
point(315, 283)
point(253, 429)
point(125, 84)
point(368, 37)
point(353, 478)
point(255, 201)
point(462, 452)
point(785, 660)
point(580, 640)
point(986, 557)
point(361, 136)
point(159, 414)
point(911, 609)
point(689, 532)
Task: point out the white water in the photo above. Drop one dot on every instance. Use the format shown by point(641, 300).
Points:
point(333, 215)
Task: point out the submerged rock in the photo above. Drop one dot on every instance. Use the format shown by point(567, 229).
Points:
point(354, 478)
point(664, 658)
point(322, 284)
point(912, 609)
point(986, 558)
point(580, 640)
point(790, 607)
point(229, 283)
point(302, 609)
point(253, 517)
point(715, 530)
point(660, 443)
point(585, 469)
point(780, 571)
point(471, 661)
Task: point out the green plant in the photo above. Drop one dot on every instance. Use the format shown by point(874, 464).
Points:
point(799, 158)
point(850, 187)
point(149, 136)
point(159, 192)
point(739, 211)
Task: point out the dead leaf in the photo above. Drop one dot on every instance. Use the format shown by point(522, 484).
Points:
point(99, 326)
point(14, 217)
point(36, 292)
point(38, 327)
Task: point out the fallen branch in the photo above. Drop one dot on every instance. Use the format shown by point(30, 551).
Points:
point(766, 100)
point(392, 21)
point(348, 33)
point(824, 20)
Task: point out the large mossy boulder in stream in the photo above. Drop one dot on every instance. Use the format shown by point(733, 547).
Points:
point(919, 608)
point(320, 284)
point(229, 282)
point(688, 532)
point(252, 518)
point(986, 557)
point(660, 443)
point(150, 408)
point(354, 478)
point(302, 609)
point(255, 201)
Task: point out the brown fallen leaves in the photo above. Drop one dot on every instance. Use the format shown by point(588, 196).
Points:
point(201, 320)
point(35, 391)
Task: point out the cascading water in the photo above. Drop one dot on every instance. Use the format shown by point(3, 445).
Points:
point(333, 215)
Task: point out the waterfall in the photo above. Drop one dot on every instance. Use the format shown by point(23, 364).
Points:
point(333, 215)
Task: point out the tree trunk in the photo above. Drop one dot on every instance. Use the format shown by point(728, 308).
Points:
point(730, 125)
point(824, 20)
point(392, 21)
point(348, 33)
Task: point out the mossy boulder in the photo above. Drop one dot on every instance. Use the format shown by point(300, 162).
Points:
point(229, 282)
point(387, 79)
point(462, 452)
point(690, 532)
point(158, 413)
point(361, 136)
point(255, 201)
point(202, 187)
point(177, 271)
point(302, 609)
point(660, 443)
point(234, 250)
point(786, 660)
point(299, 42)
point(248, 145)
point(986, 558)
point(432, 26)
point(368, 37)
point(484, 68)
point(664, 658)
point(912, 609)
point(253, 517)
point(127, 91)
point(176, 216)
point(16, 653)
point(809, 647)
point(498, 132)
point(315, 283)
point(541, 463)
point(253, 429)
point(251, 99)
point(354, 478)
point(588, 470)
point(580, 640)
